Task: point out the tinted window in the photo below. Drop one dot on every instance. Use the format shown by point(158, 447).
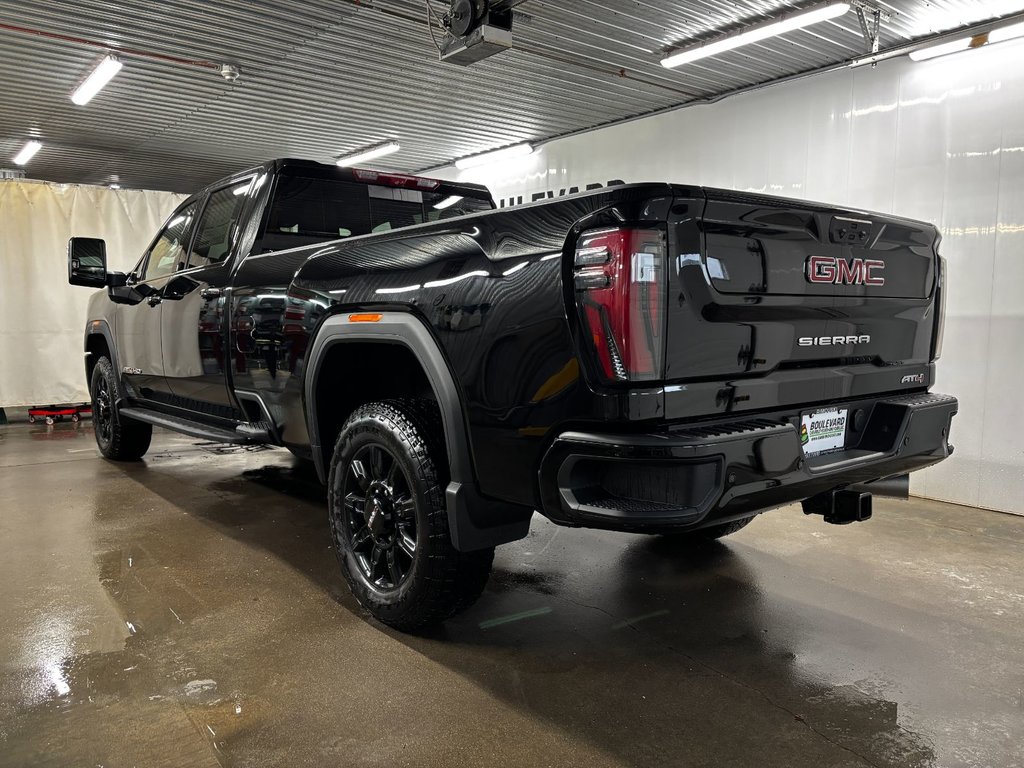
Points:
point(215, 232)
point(309, 210)
point(319, 208)
point(391, 208)
point(169, 250)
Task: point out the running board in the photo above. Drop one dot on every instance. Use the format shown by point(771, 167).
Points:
point(186, 426)
point(256, 431)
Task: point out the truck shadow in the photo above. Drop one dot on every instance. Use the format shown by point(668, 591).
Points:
point(656, 652)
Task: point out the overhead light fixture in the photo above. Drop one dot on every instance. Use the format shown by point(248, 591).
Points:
point(370, 153)
point(99, 77)
point(1011, 32)
point(756, 33)
point(448, 202)
point(27, 152)
point(993, 36)
point(953, 46)
point(508, 153)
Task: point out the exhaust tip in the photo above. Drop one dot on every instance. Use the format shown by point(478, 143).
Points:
point(897, 487)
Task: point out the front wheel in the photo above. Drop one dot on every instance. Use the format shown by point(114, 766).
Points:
point(389, 521)
point(118, 438)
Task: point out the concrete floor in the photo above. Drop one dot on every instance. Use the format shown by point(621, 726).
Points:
point(187, 611)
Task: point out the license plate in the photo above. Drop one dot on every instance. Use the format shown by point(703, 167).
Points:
point(823, 431)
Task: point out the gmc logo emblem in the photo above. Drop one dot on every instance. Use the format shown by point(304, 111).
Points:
point(828, 269)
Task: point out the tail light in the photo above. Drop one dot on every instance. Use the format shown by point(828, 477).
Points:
point(620, 282)
point(940, 309)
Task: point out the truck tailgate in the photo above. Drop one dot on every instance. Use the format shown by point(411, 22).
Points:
point(789, 295)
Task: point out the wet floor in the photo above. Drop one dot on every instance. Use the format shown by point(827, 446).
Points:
point(187, 611)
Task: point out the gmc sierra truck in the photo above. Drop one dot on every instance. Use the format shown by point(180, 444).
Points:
point(655, 358)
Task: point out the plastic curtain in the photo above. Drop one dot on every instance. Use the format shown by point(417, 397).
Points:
point(42, 317)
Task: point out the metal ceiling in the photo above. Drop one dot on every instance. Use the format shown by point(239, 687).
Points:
point(325, 77)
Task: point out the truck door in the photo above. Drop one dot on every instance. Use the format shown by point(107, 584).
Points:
point(194, 321)
point(139, 314)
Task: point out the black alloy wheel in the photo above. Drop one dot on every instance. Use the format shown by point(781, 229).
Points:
point(102, 410)
point(380, 517)
point(117, 437)
point(389, 517)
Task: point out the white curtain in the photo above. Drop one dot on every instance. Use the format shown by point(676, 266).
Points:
point(42, 318)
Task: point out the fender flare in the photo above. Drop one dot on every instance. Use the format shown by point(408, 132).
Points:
point(102, 328)
point(475, 522)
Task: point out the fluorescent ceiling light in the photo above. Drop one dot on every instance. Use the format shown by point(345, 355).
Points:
point(993, 36)
point(757, 33)
point(27, 152)
point(98, 78)
point(370, 153)
point(448, 202)
point(517, 150)
point(1003, 34)
point(954, 46)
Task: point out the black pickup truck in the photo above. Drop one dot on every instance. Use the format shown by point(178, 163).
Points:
point(655, 358)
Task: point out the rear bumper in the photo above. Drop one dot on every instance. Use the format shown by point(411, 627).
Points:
point(691, 476)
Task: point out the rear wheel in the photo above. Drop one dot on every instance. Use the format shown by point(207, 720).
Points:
point(118, 438)
point(389, 520)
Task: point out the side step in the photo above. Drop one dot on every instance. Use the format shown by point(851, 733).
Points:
point(187, 426)
point(256, 431)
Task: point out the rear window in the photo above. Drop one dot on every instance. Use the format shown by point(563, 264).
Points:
point(308, 210)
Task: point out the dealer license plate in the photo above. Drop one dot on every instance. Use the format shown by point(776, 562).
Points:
point(823, 431)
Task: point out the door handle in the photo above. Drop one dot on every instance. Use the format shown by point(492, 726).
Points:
point(154, 300)
point(211, 293)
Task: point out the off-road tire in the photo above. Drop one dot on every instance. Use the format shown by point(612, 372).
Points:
point(440, 581)
point(118, 438)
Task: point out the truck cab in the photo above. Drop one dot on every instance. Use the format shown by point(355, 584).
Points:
point(191, 348)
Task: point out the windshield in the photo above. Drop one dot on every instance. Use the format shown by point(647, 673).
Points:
point(308, 210)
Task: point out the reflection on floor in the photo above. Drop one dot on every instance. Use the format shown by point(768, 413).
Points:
point(188, 611)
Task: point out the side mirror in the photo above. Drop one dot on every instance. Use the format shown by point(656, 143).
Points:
point(87, 262)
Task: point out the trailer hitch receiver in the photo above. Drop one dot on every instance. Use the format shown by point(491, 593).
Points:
point(840, 507)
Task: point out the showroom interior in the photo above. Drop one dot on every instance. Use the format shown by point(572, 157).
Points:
point(171, 589)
